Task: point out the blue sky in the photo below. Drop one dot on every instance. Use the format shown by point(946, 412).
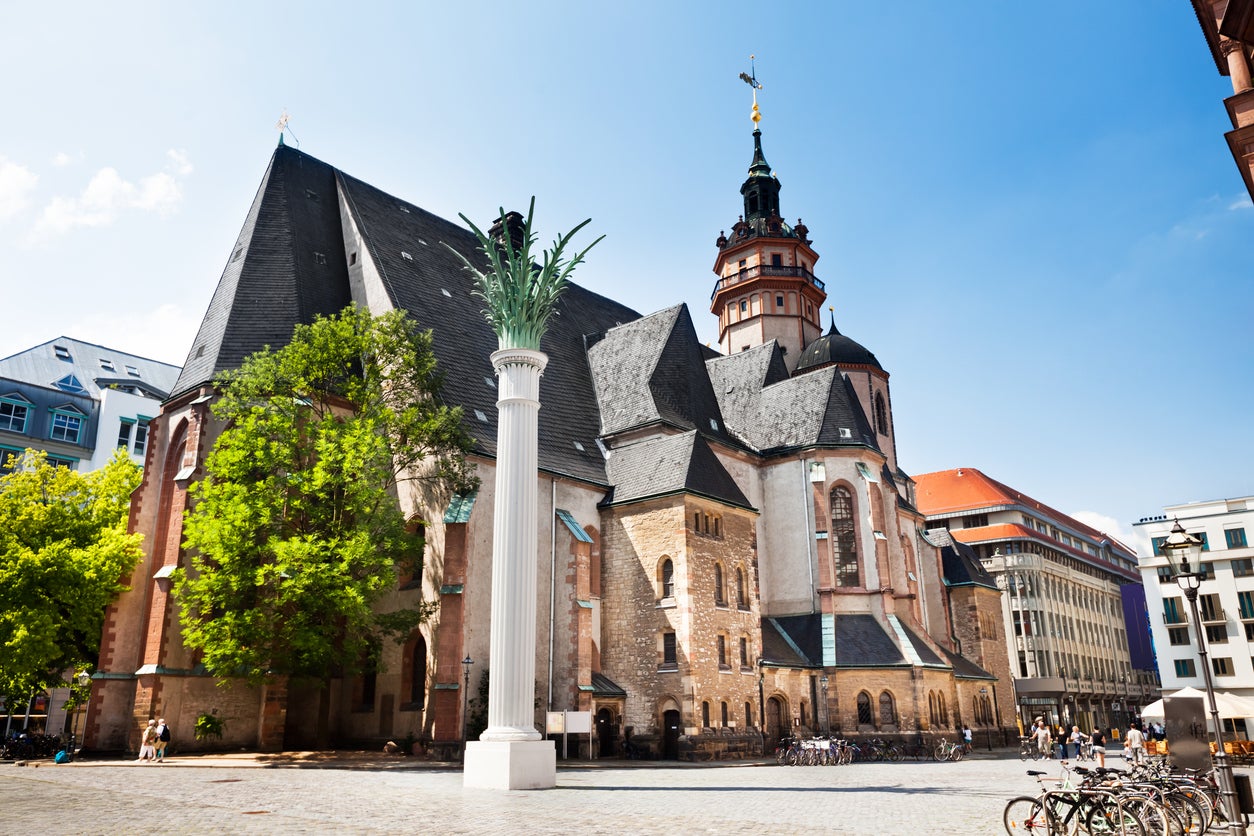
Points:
point(1031, 217)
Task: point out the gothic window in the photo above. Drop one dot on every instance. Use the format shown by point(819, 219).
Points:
point(418, 672)
point(741, 600)
point(670, 658)
point(844, 538)
point(744, 653)
point(804, 716)
point(888, 711)
point(864, 709)
point(881, 414)
point(722, 653)
point(705, 714)
point(666, 578)
point(720, 597)
point(748, 715)
point(725, 717)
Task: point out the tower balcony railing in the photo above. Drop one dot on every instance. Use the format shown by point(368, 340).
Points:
point(765, 271)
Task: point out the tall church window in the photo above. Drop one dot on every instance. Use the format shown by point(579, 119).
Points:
point(844, 538)
point(888, 710)
point(720, 596)
point(418, 673)
point(669, 656)
point(741, 600)
point(864, 709)
point(666, 578)
point(881, 414)
point(705, 714)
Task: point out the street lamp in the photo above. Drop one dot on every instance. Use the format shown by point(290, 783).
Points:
point(1179, 547)
point(466, 663)
point(84, 679)
point(988, 720)
point(761, 707)
point(827, 716)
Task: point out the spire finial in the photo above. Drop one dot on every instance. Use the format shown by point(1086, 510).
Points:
point(751, 78)
point(281, 126)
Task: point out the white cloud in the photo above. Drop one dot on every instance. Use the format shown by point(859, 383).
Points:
point(1112, 527)
point(62, 159)
point(16, 184)
point(107, 195)
point(1241, 202)
point(164, 333)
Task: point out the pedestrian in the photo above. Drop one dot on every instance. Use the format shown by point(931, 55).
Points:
point(1099, 746)
point(163, 740)
point(1134, 743)
point(966, 738)
point(1077, 739)
point(148, 742)
point(1042, 738)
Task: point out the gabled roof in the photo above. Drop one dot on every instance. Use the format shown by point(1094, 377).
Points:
point(793, 641)
point(768, 413)
point(960, 564)
point(286, 268)
point(94, 366)
point(670, 464)
point(964, 668)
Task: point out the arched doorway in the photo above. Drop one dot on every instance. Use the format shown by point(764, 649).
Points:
point(775, 725)
point(607, 734)
point(670, 735)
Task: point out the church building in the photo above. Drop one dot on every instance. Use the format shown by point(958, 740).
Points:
point(728, 552)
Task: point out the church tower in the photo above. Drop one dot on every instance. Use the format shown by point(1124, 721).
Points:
point(766, 287)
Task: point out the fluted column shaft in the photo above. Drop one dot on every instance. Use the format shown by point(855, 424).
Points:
point(512, 651)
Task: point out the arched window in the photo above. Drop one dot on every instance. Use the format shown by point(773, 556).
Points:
point(881, 414)
point(741, 600)
point(843, 538)
point(933, 716)
point(864, 709)
point(744, 653)
point(724, 708)
point(705, 714)
point(722, 653)
point(666, 578)
point(418, 673)
point(720, 596)
point(748, 715)
point(888, 711)
point(943, 709)
point(804, 716)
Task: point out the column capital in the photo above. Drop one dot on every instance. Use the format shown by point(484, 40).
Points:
point(519, 357)
point(1228, 46)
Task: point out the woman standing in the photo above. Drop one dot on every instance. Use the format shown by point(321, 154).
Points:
point(148, 742)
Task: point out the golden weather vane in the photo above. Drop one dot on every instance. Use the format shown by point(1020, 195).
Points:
point(751, 78)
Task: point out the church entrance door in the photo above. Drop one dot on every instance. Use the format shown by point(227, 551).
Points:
point(670, 735)
point(774, 723)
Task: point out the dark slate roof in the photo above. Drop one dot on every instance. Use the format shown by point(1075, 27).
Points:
point(603, 686)
point(926, 653)
point(964, 668)
point(862, 642)
point(959, 562)
point(464, 339)
point(835, 347)
point(794, 641)
point(286, 267)
point(652, 371)
point(768, 413)
point(670, 464)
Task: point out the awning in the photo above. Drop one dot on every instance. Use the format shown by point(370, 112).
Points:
point(459, 508)
point(603, 686)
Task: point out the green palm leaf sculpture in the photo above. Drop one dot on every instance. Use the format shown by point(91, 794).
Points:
point(520, 294)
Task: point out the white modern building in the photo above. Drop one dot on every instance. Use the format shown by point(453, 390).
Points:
point(1225, 598)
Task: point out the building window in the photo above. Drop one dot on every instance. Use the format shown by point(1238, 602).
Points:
point(124, 434)
point(1209, 605)
point(722, 654)
point(888, 710)
point(667, 578)
point(779, 301)
point(418, 673)
point(1249, 632)
point(742, 601)
point(777, 260)
point(55, 461)
point(744, 305)
point(881, 414)
point(705, 714)
point(864, 709)
point(66, 427)
point(723, 707)
point(748, 715)
point(1243, 568)
point(1235, 538)
point(1157, 544)
point(1217, 633)
point(1172, 614)
point(843, 537)
point(669, 656)
point(720, 596)
point(13, 416)
point(1178, 635)
point(141, 437)
point(62, 353)
point(744, 653)
point(1165, 575)
point(1185, 667)
point(1221, 665)
point(70, 384)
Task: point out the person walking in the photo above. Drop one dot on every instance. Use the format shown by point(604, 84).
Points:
point(1042, 738)
point(1099, 746)
point(1134, 743)
point(1077, 739)
point(148, 742)
point(966, 739)
point(163, 740)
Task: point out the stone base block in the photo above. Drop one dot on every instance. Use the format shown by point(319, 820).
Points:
point(510, 765)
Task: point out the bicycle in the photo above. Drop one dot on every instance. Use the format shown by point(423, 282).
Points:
point(947, 750)
point(1028, 750)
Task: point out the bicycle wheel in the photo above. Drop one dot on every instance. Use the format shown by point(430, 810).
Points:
point(1112, 819)
point(1025, 815)
point(893, 754)
point(1190, 812)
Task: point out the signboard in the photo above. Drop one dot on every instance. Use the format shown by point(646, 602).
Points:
point(579, 722)
point(556, 722)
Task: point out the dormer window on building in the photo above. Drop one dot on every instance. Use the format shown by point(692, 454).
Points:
point(67, 425)
point(70, 384)
point(62, 353)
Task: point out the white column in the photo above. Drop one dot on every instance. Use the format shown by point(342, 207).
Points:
point(510, 754)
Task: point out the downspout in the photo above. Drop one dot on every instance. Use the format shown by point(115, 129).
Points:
point(919, 543)
point(548, 706)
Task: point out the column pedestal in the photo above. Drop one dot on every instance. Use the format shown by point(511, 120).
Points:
point(510, 765)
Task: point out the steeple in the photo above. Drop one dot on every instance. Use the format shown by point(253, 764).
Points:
point(766, 290)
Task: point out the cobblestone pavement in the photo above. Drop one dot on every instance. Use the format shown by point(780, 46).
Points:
point(243, 795)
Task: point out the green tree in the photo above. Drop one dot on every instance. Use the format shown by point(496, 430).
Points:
point(64, 553)
point(296, 531)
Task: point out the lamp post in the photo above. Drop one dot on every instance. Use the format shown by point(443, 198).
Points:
point(988, 720)
point(1179, 547)
point(84, 679)
point(827, 717)
point(761, 707)
point(466, 663)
